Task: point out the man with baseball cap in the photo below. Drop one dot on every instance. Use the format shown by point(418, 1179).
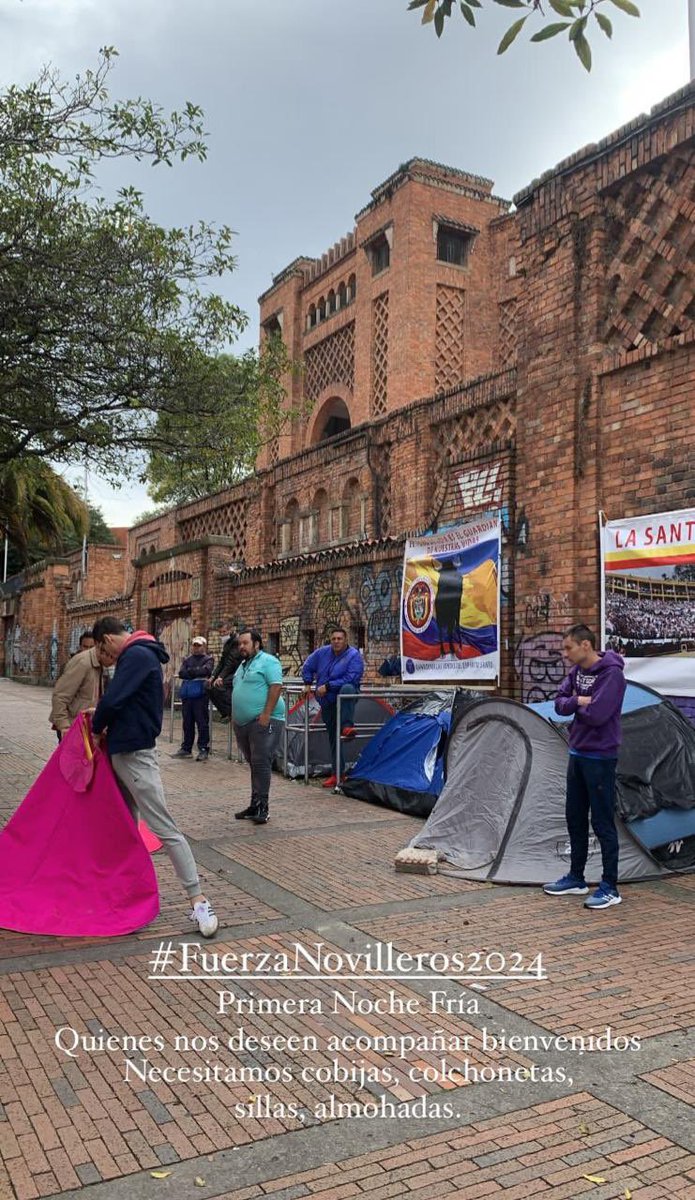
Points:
point(195, 672)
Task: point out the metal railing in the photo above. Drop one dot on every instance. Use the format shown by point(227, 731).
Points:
point(293, 688)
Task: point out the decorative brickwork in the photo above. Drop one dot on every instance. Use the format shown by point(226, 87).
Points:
point(381, 459)
point(449, 338)
point(331, 361)
point(651, 251)
point(228, 520)
point(508, 332)
point(475, 431)
point(380, 354)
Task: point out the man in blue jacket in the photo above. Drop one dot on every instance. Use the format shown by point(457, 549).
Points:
point(331, 671)
point(195, 672)
point(592, 694)
point(131, 712)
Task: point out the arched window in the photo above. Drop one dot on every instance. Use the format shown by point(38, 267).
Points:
point(289, 540)
point(351, 288)
point(352, 509)
point(342, 296)
point(311, 319)
point(320, 512)
point(331, 303)
point(334, 418)
point(321, 309)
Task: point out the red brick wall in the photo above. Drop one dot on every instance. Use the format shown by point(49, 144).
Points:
point(582, 301)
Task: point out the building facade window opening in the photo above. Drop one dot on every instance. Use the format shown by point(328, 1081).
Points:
point(330, 303)
point(380, 254)
point(311, 319)
point(273, 328)
point(342, 296)
point(321, 309)
point(351, 289)
point(333, 418)
point(453, 245)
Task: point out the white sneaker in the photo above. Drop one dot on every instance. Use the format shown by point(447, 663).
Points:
point(204, 917)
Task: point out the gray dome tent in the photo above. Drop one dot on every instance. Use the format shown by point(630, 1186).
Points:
point(501, 814)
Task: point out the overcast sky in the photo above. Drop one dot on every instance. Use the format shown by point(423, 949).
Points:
point(311, 103)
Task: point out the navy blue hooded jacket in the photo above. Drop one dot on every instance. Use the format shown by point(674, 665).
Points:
point(132, 708)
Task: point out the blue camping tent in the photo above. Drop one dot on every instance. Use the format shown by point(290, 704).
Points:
point(402, 767)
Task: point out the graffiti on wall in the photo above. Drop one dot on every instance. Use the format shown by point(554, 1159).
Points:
point(290, 653)
point(539, 665)
point(480, 486)
point(542, 610)
point(53, 654)
point(27, 652)
point(327, 605)
point(380, 598)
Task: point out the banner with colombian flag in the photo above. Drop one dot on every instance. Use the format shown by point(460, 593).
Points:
point(649, 598)
point(450, 603)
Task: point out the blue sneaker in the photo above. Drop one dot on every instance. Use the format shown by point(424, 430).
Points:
point(605, 896)
point(569, 885)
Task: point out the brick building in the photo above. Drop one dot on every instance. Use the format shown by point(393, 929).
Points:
point(459, 353)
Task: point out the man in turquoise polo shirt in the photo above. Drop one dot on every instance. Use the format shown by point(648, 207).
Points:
point(258, 712)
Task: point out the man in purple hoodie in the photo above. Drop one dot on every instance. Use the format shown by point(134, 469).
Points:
point(592, 694)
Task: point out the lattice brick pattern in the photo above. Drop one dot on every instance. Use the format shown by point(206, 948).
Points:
point(229, 520)
point(330, 361)
point(508, 332)
point(474, 431)
point(380, 354)
point(273, 451)
point(381, 458)
point(449, 353)
point(651, 256)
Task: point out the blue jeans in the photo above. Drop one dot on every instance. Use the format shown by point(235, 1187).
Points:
point(591, 790)
point(195, 715)
point(329, 712)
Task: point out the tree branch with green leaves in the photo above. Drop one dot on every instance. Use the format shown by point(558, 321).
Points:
point(579, 18)
point(249, 409)
point(107, 320)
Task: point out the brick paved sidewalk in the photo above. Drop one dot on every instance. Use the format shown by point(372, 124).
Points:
point(614, 1125)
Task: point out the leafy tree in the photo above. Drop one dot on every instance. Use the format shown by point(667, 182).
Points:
point(97, 531)
point(576, 19)
point(107, 321)
point(39, 511)
point(149, 514)
point(210, 454)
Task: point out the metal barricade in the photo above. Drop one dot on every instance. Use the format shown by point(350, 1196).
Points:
point(296, 689)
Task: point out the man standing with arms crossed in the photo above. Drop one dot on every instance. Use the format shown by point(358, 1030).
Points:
point(593, 694)
point(258, 711)
point(131, 712)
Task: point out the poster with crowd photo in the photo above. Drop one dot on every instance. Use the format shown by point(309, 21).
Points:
point(450, 604)
point(649, 598)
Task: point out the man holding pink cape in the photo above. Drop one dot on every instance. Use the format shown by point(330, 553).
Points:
point(130, 714)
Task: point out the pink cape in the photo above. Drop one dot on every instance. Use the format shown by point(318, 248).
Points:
point(72, 863)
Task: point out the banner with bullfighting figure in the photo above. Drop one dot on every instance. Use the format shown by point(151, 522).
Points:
point(450, 604)
point(649, 598)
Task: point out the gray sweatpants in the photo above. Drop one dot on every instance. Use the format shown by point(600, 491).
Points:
point(259, 744)
point(141, 784)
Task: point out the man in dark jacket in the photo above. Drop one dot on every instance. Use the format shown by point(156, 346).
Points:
point(131, 713)
point(331, 671)
point(592, 694)
point(221, 678)
point(195, 672)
